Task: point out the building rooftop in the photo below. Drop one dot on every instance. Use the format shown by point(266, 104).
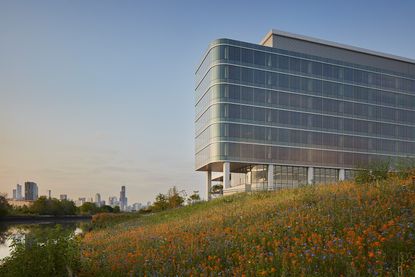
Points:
point(275, 32)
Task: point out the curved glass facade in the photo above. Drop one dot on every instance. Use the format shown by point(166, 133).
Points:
point(263, 105)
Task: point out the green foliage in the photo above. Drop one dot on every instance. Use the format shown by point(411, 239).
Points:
point(161, 203)
point(373, 173)
point(4, 205)
point(194, 198)
point(22, 210)
point(174, 198)
point(89, 208)
point(116, 209)
point(217, 189)
point(56, 255)
point(405, 167)
point(106, 209)
point(105, 220)
point(46, 206)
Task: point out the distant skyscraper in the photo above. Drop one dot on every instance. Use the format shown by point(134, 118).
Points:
point(30, 190)
point(112, 201)
point(98, 200)
point(123, 199)
point(63, 197)
point(19, 192)
point(14, 194)
point(50, 194)
point(80, 201)
point(136, 206)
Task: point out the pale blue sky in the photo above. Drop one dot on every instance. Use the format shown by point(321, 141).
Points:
point(99, 94)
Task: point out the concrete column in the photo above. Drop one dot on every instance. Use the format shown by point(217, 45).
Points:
point(226, 175)
point(208, 185)
point(270, 176)
point(341, 174)
point(310, 175)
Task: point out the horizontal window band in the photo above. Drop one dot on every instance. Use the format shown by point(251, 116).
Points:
point(301, 76)
point(358, 67)
point(301, 129)
point(302, 112)
point(306, 148)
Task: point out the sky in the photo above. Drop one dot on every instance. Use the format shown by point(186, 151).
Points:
point(99, 94)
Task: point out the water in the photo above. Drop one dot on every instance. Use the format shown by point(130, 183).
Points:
point(10, 231)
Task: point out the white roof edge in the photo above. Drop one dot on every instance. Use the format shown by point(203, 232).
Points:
point(335, 44)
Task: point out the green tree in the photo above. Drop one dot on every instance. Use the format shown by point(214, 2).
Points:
point(106, 209)
point(46, 206)
point(89, 208)
point(117, 209)
point(195, 197)
point(4, 205)
point(174, 198)
point(68, 207)
point(161, 203)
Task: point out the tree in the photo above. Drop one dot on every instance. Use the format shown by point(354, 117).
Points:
point(195, 197)
point(89, 208)
point(106, 209)
point(161, 202)
point(46, 206)
point(174, 198)
point(4, 205)
point(68, 207)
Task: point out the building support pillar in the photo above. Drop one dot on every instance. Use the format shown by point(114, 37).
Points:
point(209, 185)
point(341, 174)
point(226, 175)
point(310, 176)
point(270, 177)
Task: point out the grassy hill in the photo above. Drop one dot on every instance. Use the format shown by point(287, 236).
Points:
point(327, 230)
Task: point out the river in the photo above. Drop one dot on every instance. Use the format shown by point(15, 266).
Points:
point(10, 231)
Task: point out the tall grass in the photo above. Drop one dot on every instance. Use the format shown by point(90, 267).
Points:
point(328, 230)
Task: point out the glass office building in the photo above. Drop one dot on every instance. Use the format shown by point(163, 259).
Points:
point(295, 110)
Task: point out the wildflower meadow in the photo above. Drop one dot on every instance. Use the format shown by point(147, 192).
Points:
point(341, 229)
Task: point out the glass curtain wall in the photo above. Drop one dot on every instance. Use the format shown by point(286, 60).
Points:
point(259, 105)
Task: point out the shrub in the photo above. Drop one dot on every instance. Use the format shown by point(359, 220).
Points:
point(104, 220)
point(56, 255)
point(406, 168)
point(4, 205)
point(373, 172)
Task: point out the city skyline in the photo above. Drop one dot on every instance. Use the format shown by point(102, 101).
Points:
point(18, 194)
point(93, 99)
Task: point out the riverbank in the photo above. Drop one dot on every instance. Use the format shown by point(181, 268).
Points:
point(344, 229)
point(43, 218)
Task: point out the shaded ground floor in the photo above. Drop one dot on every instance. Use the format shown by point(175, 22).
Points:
point(236, 177)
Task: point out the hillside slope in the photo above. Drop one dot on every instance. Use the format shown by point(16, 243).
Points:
point(326, 230)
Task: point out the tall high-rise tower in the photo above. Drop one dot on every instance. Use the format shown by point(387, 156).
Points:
point(19, 192)
point(31, 191)
point(123, 199)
